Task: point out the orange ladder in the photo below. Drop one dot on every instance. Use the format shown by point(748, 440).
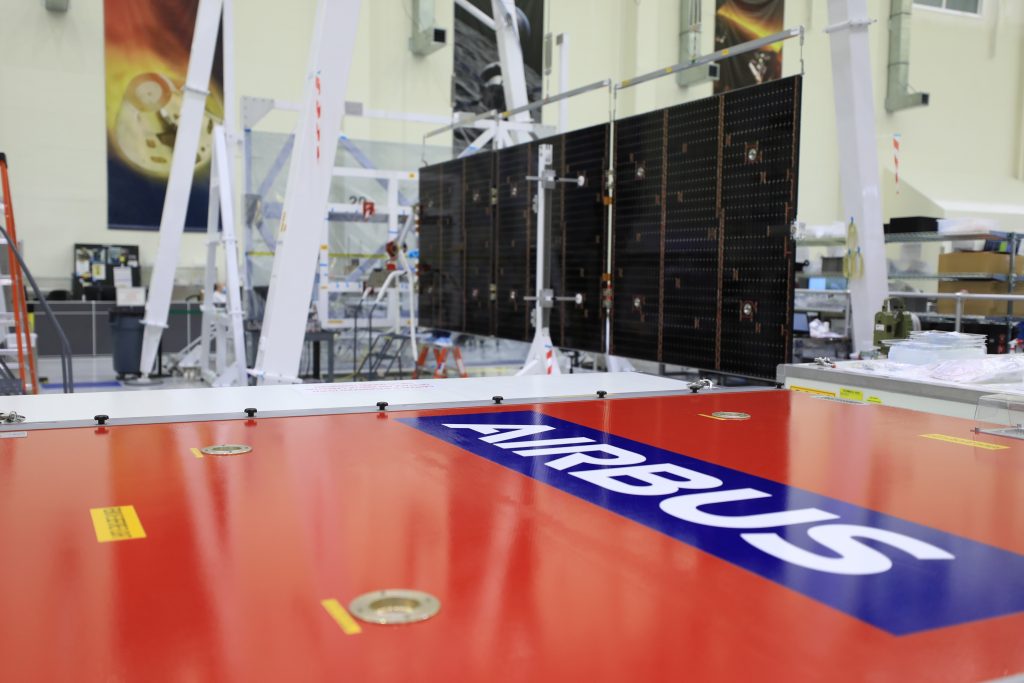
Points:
point(19, 307)
point(441, 358)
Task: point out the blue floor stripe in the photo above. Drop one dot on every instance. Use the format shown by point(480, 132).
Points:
point(110, 384)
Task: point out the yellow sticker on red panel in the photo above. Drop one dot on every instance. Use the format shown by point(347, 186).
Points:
point(118, 523)
point(966, 442)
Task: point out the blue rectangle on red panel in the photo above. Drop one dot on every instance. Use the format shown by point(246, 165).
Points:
point(899, 576)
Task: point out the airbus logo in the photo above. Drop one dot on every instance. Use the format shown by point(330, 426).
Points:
point(627, 472)
point(900, 576)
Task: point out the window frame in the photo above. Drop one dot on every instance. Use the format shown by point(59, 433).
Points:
point(954, 12)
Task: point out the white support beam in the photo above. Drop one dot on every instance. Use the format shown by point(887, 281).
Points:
point(305, 202)
point(179, 184)
point(858, 160)
point(563, 81)
point(476, 13)
point(356, 210)
point(354, 172)
point(510, 53)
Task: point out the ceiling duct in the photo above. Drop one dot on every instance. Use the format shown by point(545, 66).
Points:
point(689, 45)
point(897, 94)
point(426, 36)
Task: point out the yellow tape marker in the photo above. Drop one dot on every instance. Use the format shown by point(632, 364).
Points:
point(119, 523)
point(852, 394)
point(875, 400)
point(349, 625)
point(816, 392)
point(196, 452)
point(712, 417)
point(966, 442)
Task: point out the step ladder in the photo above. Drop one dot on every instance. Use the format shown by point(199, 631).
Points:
point(17, 357)
point(440, 358)
point(385, 351)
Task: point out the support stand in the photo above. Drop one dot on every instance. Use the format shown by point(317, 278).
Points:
point(858, 161)
point(222, 324)
point(543, 357)
point(179, 183)
point(306, 196)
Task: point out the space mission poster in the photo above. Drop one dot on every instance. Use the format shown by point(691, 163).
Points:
point(147, 51)
point(738, 21)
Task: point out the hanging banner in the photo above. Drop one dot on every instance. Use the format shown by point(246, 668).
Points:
point(737, 21)
point(147, 52)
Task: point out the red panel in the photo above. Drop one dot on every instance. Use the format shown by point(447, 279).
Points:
point(536, 585)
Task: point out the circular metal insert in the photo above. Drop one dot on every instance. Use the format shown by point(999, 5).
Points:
point(226, 449)
point(726, 415)
point(752, 154)
point(748, 309)
point(394, 606)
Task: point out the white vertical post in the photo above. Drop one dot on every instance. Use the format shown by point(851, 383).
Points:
point(563, 81)
point(392, 208)
point(228, 59)
point(235, 375)
point(543, 357)
point(179, 183)
point(206, 335)
point(858, 158)
point(510, 53)
point(544, 157)
point(305, 201)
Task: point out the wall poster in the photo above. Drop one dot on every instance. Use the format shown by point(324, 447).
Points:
point(147, 52)
point(737, 21)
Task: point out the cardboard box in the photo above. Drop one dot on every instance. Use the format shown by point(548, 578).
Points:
point(979, 262)
point(977, 307)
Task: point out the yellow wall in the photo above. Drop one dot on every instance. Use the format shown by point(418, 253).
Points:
point(52, 108)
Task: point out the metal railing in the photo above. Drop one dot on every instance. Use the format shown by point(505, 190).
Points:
point(88, 330)
point(958, 297)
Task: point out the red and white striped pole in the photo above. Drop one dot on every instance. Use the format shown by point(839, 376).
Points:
point(896, 158)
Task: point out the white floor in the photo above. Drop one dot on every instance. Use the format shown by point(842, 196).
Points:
point(96, 373)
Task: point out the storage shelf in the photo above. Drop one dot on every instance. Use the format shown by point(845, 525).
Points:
point(902, 237)
point(820, 242)
point(820, 311)
point(906, 237)
point(1001, 277)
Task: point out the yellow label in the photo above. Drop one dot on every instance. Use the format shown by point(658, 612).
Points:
point(725, 52)
point(966, 442)
point(852, 394)
point(341, 616)
point(816, 392)
point(119, 523)
point(875, 400)
point(196, 452)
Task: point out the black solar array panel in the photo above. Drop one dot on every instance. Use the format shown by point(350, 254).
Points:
point(639, 217)
point(580, 252)
point(430, 246)
point(703, 260)
point(513, 234)
point(701, 253)
point(453, 246)
point(478, 220)
point(760, 154)
point(690, 280)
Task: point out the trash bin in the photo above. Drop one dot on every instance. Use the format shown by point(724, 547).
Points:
point(126, 333)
